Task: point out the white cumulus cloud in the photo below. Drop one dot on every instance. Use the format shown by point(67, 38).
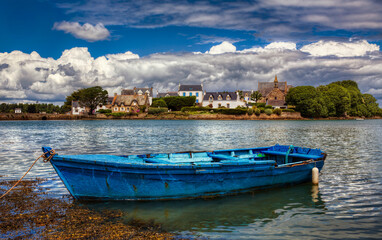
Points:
point(224, 47)
point(274, 46)
point(87, 31)
point(340, 49)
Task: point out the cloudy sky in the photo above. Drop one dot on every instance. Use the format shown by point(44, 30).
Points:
point(50, 48)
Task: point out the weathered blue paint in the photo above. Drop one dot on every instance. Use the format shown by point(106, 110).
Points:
point(184, 175)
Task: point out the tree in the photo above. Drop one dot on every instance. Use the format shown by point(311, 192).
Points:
point(255, 96)
point(88, 97)
point(176, 103)
point(75, 96)
point(159, 103)
point(92, 97)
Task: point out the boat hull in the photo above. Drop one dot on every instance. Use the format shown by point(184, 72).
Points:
point(160, 182)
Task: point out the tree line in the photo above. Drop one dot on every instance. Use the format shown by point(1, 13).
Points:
point(32, 108)
point(337, 99)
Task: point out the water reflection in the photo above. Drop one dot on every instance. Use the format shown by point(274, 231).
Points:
point(223, 213)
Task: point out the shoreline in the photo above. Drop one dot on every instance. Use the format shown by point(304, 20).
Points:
point(166, 116)
point(29, 212)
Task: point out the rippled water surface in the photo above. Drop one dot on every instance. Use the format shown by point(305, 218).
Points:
point(346, 205)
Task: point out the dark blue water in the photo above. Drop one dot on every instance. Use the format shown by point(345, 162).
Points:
point(347, 204)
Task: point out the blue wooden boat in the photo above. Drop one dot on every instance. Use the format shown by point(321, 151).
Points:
point(186, 174)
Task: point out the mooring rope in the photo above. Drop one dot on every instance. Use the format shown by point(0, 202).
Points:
point(46, 159)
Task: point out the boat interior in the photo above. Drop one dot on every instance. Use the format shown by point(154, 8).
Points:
point(278, 155)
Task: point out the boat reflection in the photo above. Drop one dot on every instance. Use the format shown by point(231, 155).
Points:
point(223, 213)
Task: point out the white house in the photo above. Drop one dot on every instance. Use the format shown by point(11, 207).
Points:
point(191, 90)
point(247, 96)
point(18, 110)
point(222, 99)
point(77, 109)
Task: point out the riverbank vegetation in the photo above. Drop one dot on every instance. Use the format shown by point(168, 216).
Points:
point(337, 99)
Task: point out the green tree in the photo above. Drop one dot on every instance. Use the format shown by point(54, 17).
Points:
point(92, 97)
point(255, 96)
point(159, 103)
point(337, 96)
point(89, 97)
point(75, 96)
point(176, 103)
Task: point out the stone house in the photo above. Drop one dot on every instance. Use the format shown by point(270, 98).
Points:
point(139, 91)
point(129, 103)
point(274, 93)
point(222, 99)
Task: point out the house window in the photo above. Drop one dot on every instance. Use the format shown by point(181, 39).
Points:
point(219, 105)
point(116, 109)
point(197, 101)
point(275, 98)
point(220, 97)
point(197, 94)
point(227, 105)
point(122, 109)
point(184, 94)
point(190, 94)
point(211, 99)
point(228, 97)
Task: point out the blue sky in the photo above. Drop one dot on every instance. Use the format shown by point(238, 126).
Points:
point(183, 42)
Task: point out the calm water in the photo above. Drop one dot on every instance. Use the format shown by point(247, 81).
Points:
point(346, 205)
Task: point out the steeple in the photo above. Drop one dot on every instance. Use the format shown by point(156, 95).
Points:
point(276, 82)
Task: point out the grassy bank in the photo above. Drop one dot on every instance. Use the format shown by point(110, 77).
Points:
point(28, 213)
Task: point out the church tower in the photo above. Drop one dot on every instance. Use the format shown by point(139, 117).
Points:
point(276, 82)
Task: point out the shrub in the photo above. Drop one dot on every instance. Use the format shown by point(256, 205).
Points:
point(268, 106)
point(142, 108)
point(230, 111)
point(262, 109)
point(117, 114)
point(260, 105)
point(288, 110)
point(277, 111)
point(250, 111)
point(195, 109)
point(157, 110)
point(257, 112)
point(159, 103)
point(268, 111)
point(104, 111)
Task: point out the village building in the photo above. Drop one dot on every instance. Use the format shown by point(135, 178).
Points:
point(167, 94)
point(139, 91)
point(192, 90)
point(273, 93)
point(246, 96)
point(222, 99)
point(129, 103)
point(78, 108)
point(18, 110)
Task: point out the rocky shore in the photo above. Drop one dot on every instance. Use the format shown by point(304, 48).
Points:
point(27, 212)
point(166, 116)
